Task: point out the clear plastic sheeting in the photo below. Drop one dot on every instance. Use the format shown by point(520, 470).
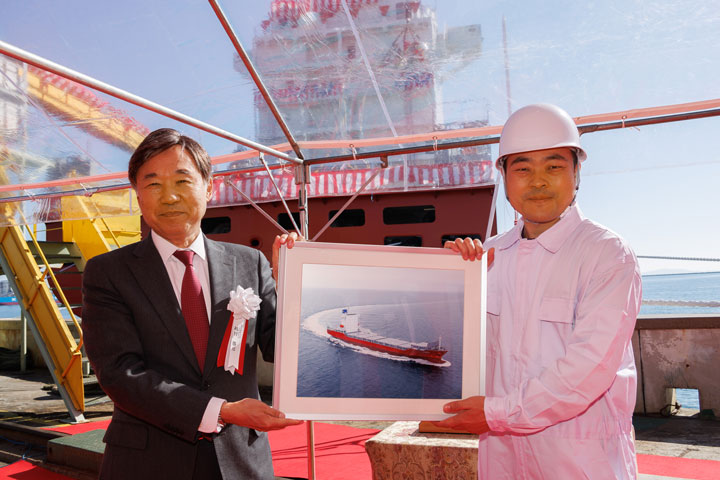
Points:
point(54, 129)
point(347, 76)
point(57, 136)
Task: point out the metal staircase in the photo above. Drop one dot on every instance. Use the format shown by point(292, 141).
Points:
point(41, 273)
point(69, 272)
point(59, 349)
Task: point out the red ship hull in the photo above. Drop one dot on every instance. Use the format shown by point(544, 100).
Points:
point(434, 356)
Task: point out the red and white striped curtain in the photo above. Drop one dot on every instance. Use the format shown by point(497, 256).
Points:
point(346, 182)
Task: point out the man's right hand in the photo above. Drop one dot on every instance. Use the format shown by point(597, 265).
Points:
point(254, 414)
point(470, 249)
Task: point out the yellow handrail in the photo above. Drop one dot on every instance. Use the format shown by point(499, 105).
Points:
point(110, 231)
point(104, 222)
point(63, 300)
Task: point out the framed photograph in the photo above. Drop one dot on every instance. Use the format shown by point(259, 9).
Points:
point(368, 332)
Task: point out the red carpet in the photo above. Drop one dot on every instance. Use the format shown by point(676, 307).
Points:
point(340, 454)
point(81, 427)
point(22, 470)
point(339, 451)
point(679, 467)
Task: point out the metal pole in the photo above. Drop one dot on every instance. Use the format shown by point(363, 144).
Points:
point(303, 172)
point(32, 59)
point(254, 75)
point(493, 206)
point(23, 341)
point(405, 151)
point(638, 122)
point(279, 192)
point(310, 426)
point(255, 205)
point(302, 175)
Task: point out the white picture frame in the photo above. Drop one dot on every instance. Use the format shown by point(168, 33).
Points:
point(324, 371)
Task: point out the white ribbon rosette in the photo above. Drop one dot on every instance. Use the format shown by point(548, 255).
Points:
point(244, 305)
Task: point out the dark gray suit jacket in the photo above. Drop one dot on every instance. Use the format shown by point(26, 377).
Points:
point(140, 349)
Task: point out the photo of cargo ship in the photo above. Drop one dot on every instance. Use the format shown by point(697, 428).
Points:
point(359, 325)
point(349, 331)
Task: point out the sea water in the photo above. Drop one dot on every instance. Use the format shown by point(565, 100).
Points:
point(681, 294)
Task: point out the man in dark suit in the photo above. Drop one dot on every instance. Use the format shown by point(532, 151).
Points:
point(154, 321)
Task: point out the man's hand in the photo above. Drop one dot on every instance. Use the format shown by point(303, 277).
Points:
point(288, 239)
point(254, 414)
point(470, 415)
point(470, 249)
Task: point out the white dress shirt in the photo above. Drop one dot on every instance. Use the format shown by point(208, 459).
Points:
point(176, 271)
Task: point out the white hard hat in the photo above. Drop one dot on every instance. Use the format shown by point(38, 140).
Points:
point(538, 127)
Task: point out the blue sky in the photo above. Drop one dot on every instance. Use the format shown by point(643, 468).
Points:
point(656, 186)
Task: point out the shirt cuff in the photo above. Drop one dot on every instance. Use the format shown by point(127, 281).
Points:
point(495, 415)
point(209, 421)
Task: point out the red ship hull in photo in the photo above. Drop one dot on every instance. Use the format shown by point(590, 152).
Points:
point(381, 344)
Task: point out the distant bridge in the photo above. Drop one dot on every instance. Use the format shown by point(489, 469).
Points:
point(695, 259)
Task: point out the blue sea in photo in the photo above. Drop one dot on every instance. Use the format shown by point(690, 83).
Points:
point(329, 368)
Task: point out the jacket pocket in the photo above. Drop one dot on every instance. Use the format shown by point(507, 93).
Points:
point(555, 326)
point(126, 434)
point(558, 310)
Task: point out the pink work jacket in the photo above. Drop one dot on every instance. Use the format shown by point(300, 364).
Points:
point(561, 380)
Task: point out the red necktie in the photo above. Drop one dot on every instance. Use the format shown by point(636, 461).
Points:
point(193, 306)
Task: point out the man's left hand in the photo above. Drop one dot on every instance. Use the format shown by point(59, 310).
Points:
point(470, 415)
point(288, 239)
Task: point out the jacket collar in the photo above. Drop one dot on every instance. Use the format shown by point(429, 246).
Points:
point(551, 239)
point(151, 274)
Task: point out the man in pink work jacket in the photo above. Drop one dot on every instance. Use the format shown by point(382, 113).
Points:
point(563, 297)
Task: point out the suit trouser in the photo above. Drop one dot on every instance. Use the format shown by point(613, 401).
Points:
point(206, 462)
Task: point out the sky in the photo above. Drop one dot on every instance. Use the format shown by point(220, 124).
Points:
point(656, 186)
